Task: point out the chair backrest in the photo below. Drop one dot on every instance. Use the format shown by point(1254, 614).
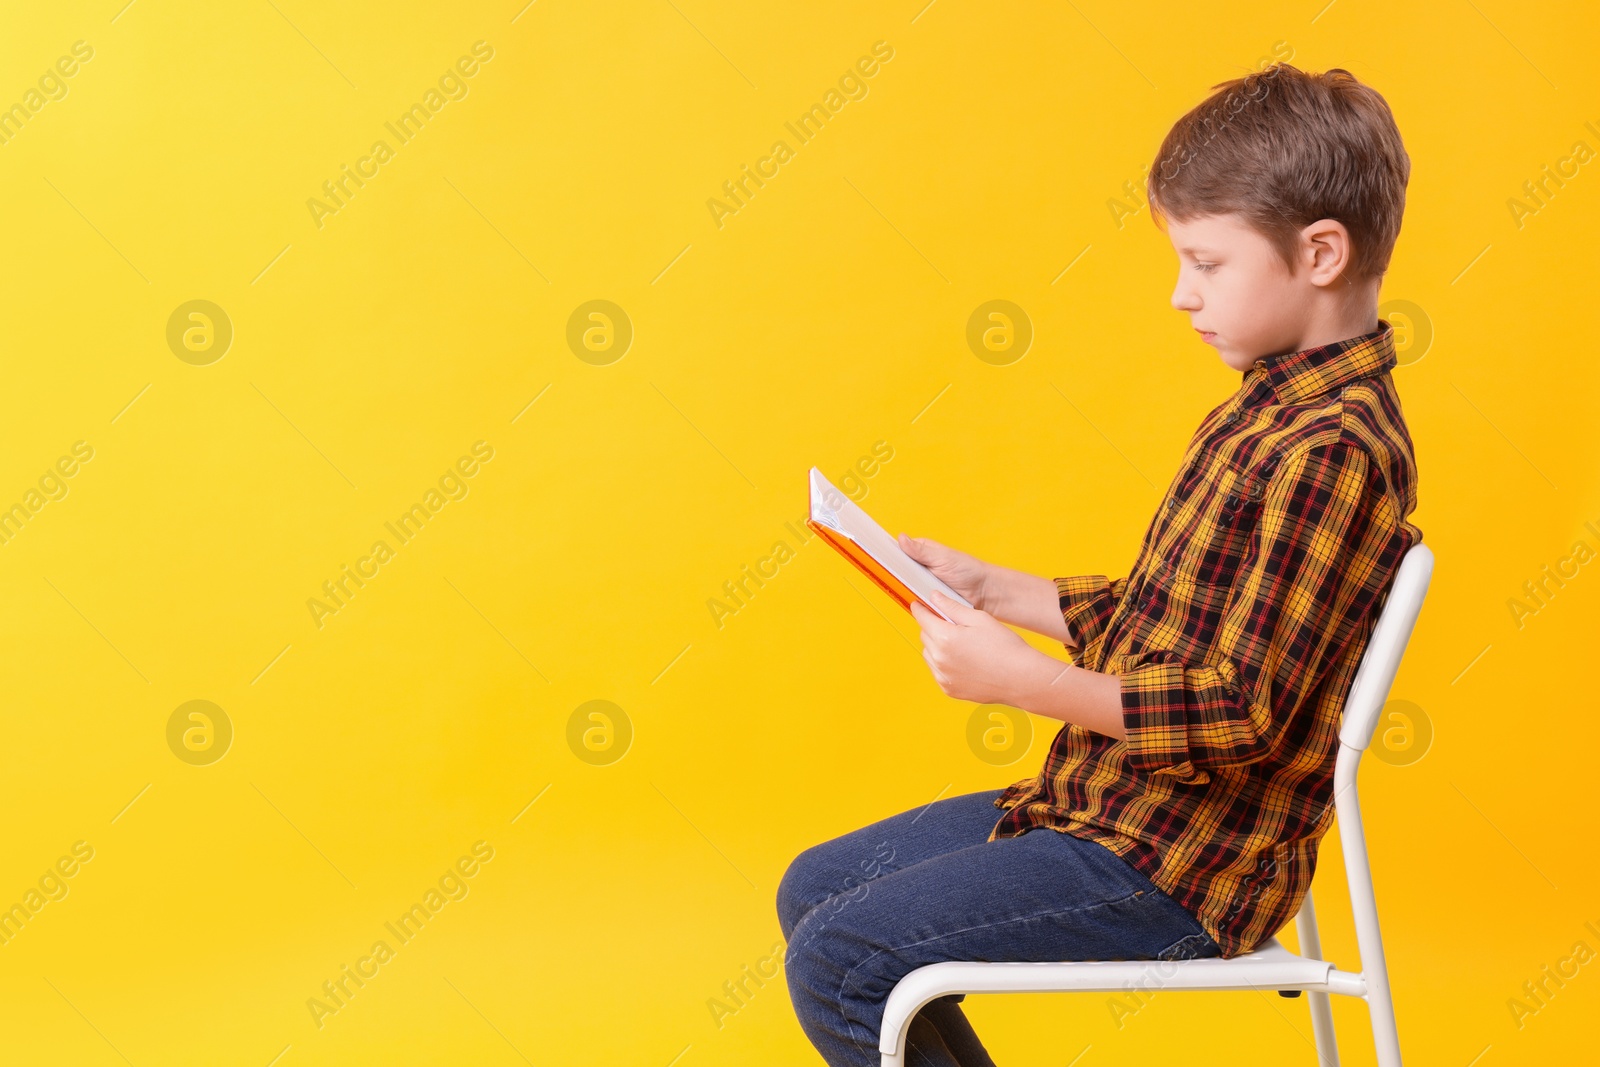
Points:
point(1368, 692)
point(1381, 659)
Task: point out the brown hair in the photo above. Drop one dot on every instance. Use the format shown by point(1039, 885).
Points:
point(1283, 148)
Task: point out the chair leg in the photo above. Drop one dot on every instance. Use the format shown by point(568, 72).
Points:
point(1321, 1008)
point(1364, 907)
point(1385, 1036)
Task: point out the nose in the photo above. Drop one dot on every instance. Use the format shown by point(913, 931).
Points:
point(1184, 298)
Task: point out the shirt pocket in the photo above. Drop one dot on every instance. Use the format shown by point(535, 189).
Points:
point(1226, 508)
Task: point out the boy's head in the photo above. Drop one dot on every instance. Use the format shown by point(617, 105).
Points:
point(1282, 193)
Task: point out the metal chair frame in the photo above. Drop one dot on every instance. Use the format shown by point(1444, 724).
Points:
point(1270, 965)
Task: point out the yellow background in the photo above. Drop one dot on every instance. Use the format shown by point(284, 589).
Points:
point(823, 317)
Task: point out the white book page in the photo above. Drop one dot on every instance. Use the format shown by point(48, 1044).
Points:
point(831, 508)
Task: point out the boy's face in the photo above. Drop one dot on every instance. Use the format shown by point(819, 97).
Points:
point(1237, 290)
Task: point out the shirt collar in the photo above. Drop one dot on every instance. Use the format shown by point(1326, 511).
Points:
point(1295, 377)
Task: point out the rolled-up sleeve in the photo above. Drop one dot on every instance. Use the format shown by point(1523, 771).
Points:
point(1325, 547)
point(1087, 603)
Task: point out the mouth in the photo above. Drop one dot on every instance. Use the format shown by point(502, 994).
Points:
point(1206, 335)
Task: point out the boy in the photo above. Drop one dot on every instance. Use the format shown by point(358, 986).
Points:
point(1193, 778)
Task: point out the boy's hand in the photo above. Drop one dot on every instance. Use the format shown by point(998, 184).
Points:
point(961, 572)
point(976, 657)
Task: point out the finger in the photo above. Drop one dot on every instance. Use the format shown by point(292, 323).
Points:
point(929, 618)
point(952, 608)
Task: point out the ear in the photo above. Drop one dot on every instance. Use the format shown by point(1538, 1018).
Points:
point(1327, 250)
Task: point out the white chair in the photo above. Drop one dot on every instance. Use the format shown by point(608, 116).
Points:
point(1270, 966)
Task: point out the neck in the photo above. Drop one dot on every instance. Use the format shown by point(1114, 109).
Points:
point(1339, 316)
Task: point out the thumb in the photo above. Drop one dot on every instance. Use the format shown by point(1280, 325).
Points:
point(953, 608)
point(911, 546)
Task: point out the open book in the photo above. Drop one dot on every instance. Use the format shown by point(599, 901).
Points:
point(853, 534)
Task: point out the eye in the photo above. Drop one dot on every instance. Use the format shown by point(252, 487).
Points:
point(1206, 268)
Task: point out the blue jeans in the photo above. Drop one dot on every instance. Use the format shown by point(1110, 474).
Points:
point(862, 911)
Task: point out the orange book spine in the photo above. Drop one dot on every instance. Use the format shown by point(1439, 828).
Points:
point(867, 565)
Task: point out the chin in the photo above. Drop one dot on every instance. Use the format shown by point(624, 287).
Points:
point(1237, 362)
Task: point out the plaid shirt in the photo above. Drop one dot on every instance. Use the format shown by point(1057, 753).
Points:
point(1236, 637)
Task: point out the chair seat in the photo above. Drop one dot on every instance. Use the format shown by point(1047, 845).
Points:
point(1269, 966)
